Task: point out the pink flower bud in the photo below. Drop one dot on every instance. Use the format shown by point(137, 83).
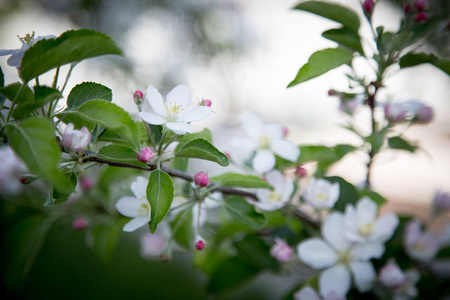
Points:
point(421, 17)
point(368, 6)
point(301, 172)
point(331, 92)
point(285, 131)
point(79, 223)
point(406, 8)
point(206, 102)
point(76, 140)
point(392, 276)
point(395, 112)
point(146, 155)
point(420, 5)
point(138, 96)
point(87, 183)
point(441, 201)
point(200, 243)
point(281, 251)
point(201, 179)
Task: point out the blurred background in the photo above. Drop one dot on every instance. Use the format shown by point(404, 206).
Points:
point(241, 55)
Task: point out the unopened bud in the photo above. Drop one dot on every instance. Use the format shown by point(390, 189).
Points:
point(331, 92)
point(201, 179)
point(421, 17)
point(138, 97)
point(79, 224)
point(76, 140)
point(206, 102)
point(87, 183)
point(392, 276)
point(23, 180)
point(146, 155)
point(420, 5)
point(285, 131)
point(281, 251)
point(301, 172)
point(368, 6)
point(199, 243)
point(406, 8)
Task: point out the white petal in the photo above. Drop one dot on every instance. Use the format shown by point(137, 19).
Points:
point(136, 223)
point(363, 275)
point(7, 52)
point(332, 231)
point(286, 149)
point(288, 189)
point(366, 251)
point(179, 128)
point(367, 210)
point(139, 188)
point(252, 125)
point(156, 101)
point(264, 161)
point(15, 59)
point(197, 113)
point(306, 293)
point(269, 206)
point(181, 95)
point(128, 206)
point(273, 131)
point(152, 118)
point(384, 227)
point(352, 224)
point(335, 280)
point(316, 253)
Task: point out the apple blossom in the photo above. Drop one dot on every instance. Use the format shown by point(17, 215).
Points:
point(136, 207)
point(395, 112)
point(301, 172)
point(266, 141)
point(201, 179)
point(206, 102)
point(401, 283)
point(339, 257)
point(27, 41)
point(308, 293)
point(11, 167)
point(79, 223)
point(421, 246)
point(321, 194)
point(368, 6)
point(276, 199)
point(199, 243)
point(172, 111)
point(76, 140)
point(281, 251)
point(391, 275)
point(363, 226)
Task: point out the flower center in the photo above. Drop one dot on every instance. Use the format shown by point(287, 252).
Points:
point(366, 229)
point(27, 39)
point(264, 142)
point(418, 247)
point(321, 197)
point(143, 209)
point(172, 111)
point(345, 257)
point(274, 197)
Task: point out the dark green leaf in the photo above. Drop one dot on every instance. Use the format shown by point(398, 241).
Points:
point(70, 47)
point(86, 91)
point(244, 212)
point(400, 143)
point(347, 193)
point(42, 95)
point(34, 142)
point(120, 154)
point(105, 237)
point(10, 92)
point(2, 84)
point(200, 148)
point(182, 229)
point(160, 196)
point(240, 180)
point(57, 196)
point(414, 59)
point(335, 12)
point(345, 37)
point(255, 251)
point(321, 62)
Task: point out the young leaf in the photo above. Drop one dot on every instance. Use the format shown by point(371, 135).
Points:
point(42, 96)
point(70, 47)
point(321, 62)
point(245, 213)
point(110, 116)
point(399, 143)
point(240, 180)
point(86, 91)
point(200, 148)
point(335, 12)
point(34, 142)
point(345, 37)
point(160, 196)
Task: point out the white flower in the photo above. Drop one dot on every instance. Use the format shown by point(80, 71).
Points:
point(363, 226)
point(281, 251)
point(16, 55)
point(321, 194)
point(421, 246)
point(76, 140)
point(266, 140)
point(276, 199)
point(392, 276)
point(308, 293)
point(10, 169)
point(136, 207)
point(172, 111)
point(339, 257)
point(401, 284)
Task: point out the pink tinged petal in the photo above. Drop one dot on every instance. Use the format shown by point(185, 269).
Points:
point(139, 188)
point(197, 113)
point(332, 231)
point(252, 125)
point(367, 251)
point(155, 100)
point(316, 253)
point(367, 210)
point(286, 149)
point(152, 118)
point(335, 280)
point(179, 128)
point(264, 161)
point(306, 293)
point(136, 223)
point(384, 227)
point(128, 206)
point(363, 275)
point(181, 95)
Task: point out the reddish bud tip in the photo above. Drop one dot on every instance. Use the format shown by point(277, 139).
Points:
point(285, 131)
point(421, 17)
point(206, 102)
point(300, 171)
point(146, 155)
point(201, 179)
point(331, 92)
point(200, 245)
point(138, 94)
point(23, 180)
point(79, 224)
point(406, 8)
point(368, 6)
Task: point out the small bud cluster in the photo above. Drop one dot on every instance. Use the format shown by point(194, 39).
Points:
point(419, 7)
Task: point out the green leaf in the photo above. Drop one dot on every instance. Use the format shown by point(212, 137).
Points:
point(414, 59)
point(108, 115)
point(10, 91)
point(57, 197)
point(240, 180)
point(345, 37)
point(244, 212)
point(86, 91)
point(335, 12)
point(321, 62)
point(105, 237)
point(160, 196)
point(315, 153)
point(120, 154)
point(202, 149)
point(399, 143)
point(347, 193)
point(34, 142)
point(70, 47)
point(376, 140)
point(42, 96)
point(183, 230)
